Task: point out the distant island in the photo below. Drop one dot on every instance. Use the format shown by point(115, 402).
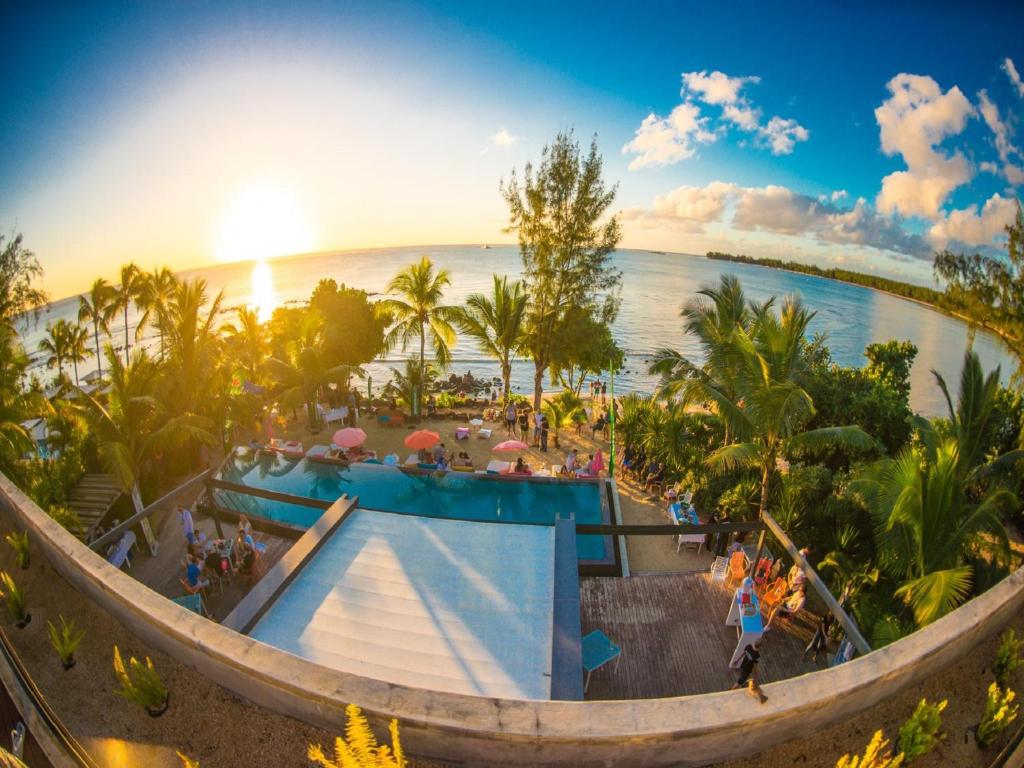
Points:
point(910, 291)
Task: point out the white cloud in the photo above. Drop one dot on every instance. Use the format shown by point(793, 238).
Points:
point(717, 87)
point(966, 226)
point(780, 211)
point(665, 141)
point(988, 167)
point(1001, 135)
point(503, 138)
point(781, 134)
point(1011, 72)
point(838, 195)
point(913, 122)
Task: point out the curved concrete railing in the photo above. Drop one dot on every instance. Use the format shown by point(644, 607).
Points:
point(691, 730)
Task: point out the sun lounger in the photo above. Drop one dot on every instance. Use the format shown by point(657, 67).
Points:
point(462, 433)
point(484, 434)
point(318, 452)
point(412, 460)
point(120, 555)
point(497, 467)
point(291, 448)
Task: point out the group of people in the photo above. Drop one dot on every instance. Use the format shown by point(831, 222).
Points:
point(206, 559)
point(520, 417)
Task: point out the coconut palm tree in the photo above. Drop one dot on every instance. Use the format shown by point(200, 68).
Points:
point(78, 347)
point(55, 345)
point(155, 297)
point(132, 426)
point(418, 313)
point(193, 344)
point(768, 412)
point(711, 318)
point(95, 307)
point(129, 291)
point(248, 341)
point(497, 323)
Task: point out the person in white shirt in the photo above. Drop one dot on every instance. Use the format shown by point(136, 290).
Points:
point(571, 460)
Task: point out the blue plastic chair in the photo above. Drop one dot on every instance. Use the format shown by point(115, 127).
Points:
point(598, 650)
point(193, 603)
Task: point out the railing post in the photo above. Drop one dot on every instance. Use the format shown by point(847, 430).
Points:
point(213, 507)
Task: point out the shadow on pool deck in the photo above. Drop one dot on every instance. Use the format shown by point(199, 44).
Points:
point(671, 628)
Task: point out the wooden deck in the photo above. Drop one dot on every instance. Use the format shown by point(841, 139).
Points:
point(164, 572)
point(671, 628)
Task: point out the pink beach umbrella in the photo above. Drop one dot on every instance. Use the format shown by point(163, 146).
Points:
point(510, 446)
point(349, 437)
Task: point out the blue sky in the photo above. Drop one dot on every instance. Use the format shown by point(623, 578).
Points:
point(185, 133)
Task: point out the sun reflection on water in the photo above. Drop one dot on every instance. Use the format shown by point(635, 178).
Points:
point(263, 298)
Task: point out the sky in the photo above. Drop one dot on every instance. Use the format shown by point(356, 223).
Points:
point(188, 133)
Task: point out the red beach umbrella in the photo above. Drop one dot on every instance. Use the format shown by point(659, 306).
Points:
point(421, 439)
point(349, 437)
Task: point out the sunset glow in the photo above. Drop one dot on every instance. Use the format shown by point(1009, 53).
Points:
point(261, 222)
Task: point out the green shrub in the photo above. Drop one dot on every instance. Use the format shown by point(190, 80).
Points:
point(1000, 711)
point(921, 733)
point(1007, 657)
point(65, 640)
point(876, 755)
point(359, 748)
point(140, 682)
point(14, 598)
point(19, 543)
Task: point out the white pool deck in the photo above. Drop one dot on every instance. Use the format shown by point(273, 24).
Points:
point(450, 605)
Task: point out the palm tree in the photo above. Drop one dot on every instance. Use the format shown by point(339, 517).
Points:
point(133, 425)
point(193, 344)
point(712, 318)
point(497, 323)
point(770, 407)
point(926, 521)
point(155, 297)
point(94, 307)
point(303, 376)
point(130, 289)
point(419, 312)
point(16, 402)
point(248, 341)
point(55, 345)
point(78, 347)
point(933, 505)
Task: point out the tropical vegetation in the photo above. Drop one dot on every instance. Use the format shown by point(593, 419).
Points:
point(359, 747)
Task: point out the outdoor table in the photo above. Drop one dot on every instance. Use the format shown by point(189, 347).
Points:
point(749, 627)
point(683, 516)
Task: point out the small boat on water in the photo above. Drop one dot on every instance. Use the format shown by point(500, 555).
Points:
point(485, 247)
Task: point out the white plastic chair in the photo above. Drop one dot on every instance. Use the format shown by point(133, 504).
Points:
point(719, 569)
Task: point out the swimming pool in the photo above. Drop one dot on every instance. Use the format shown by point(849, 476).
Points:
point(453, 495)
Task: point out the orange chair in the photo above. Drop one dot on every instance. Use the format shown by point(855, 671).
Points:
point(737, 566)
point(774, 595)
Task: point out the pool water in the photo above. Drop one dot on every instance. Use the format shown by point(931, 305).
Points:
point(453, 495)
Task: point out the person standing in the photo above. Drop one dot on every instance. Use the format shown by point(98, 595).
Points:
point(537, 417)
point(510, 419)
point(751, 657)
point(544, 433)
point(524, 425)
point(187, 525)
point(819, 643)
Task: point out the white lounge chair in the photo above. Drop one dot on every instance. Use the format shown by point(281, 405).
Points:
point(498, 467)
point(121, 553)
point(336, 414)
point(484, 434)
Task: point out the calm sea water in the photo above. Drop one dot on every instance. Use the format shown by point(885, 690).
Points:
point(654, 288)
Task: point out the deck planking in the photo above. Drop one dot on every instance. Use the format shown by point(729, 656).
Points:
point(671, 628)
point(164, 572)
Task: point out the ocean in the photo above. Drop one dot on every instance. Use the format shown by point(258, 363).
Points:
point(654, 288)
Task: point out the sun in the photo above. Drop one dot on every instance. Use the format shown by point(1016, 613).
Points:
point(262, 221)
